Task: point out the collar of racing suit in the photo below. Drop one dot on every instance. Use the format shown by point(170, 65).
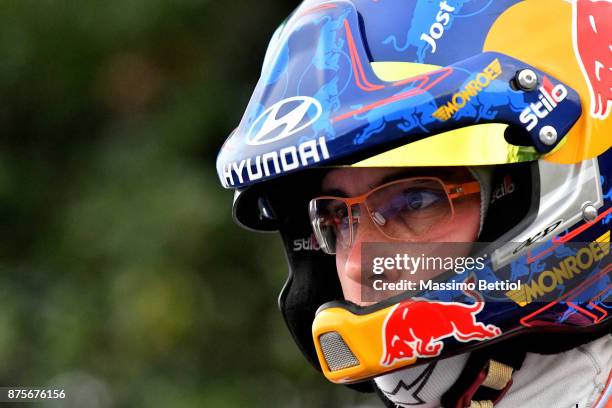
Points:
point(455, 382)
point(582, 376)
point(421, 386)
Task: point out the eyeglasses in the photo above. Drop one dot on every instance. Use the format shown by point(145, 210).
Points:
point(401, 210)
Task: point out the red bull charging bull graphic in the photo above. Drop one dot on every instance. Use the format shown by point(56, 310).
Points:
point(415, 328)
point(593, 47)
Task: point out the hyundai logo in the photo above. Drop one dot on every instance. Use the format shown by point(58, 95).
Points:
point(268, 127)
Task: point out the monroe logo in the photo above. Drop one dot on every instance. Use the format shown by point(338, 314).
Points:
point(550, 96)
point(296, 113)
point(470, 90)
point(553, 279)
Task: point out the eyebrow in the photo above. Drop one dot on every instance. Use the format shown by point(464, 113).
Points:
point(334, 192)
point(407, 173)
point(413, 172)
point(394, 177)
point(441, 172)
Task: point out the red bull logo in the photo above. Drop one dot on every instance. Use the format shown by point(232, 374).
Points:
point(415, 328)
point(592, 32)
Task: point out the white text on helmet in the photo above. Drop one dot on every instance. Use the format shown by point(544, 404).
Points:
point(550, 97)
point(436, 31)
point(306, 244)
point(275, 162)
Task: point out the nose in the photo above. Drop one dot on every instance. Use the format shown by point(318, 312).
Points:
point(350, 258)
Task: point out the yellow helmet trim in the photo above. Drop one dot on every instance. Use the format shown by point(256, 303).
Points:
point(396, 71)
point(469, 146)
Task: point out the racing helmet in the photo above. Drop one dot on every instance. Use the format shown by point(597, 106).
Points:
point(520, 88)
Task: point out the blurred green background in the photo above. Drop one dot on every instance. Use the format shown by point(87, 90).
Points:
point(122, 277)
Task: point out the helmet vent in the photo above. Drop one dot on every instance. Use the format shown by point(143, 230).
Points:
point(337, 354)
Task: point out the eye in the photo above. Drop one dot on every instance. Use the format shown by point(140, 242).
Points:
point(340, 212)
point(338, 215)
point(415, 200)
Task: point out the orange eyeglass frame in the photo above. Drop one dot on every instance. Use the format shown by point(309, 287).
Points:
point(453, 191)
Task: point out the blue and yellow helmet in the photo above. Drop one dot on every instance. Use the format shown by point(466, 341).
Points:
point(523, 88)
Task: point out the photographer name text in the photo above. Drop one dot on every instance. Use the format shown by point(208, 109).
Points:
point(481, 285)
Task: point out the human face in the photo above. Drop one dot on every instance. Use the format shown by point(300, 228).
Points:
point(351, 182)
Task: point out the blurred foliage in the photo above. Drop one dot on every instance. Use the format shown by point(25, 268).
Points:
point(122, 276)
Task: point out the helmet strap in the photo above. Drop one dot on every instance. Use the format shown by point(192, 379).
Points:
point(485, 379)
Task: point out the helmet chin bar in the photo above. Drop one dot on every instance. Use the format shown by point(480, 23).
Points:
point(356, 343)
point(349, 346)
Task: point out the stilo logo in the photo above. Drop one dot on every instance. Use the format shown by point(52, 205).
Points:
point(269, 127)
point(550, 97)
point(506, 188)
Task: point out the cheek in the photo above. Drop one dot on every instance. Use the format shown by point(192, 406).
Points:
point(466, 222)
point(340, 263)
point(342, 268)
